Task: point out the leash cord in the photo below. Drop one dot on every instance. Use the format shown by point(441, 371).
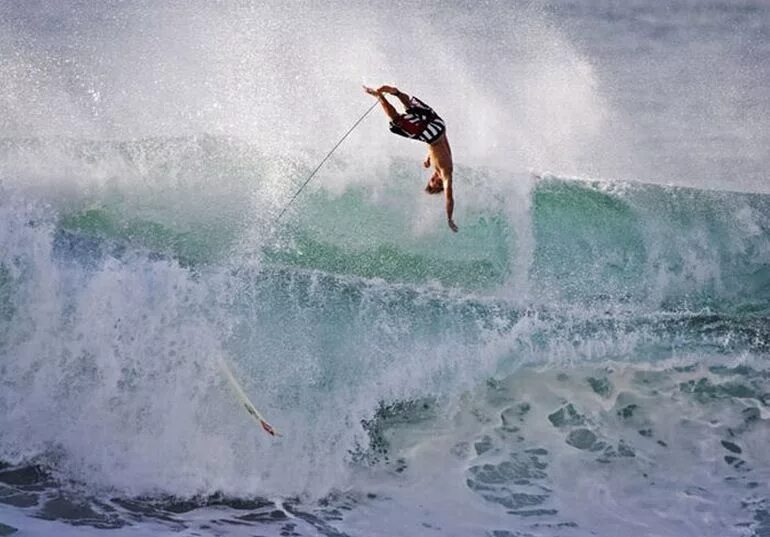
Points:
point(329, 154)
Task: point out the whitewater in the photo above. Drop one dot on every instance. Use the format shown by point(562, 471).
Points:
point(587, 356)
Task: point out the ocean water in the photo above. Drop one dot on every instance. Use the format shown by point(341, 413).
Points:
point(587, 356)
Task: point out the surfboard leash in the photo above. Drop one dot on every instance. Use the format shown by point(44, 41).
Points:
point(329, 154)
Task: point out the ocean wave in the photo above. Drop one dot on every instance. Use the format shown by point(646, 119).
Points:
point(117, 300)
point(570, 240)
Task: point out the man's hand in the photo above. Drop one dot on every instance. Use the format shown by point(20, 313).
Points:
point(372, 92)
point(452, 225)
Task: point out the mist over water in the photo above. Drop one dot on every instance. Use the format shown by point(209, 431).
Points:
point(587, 356)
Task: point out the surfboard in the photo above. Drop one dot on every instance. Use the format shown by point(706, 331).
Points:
point(244, 399)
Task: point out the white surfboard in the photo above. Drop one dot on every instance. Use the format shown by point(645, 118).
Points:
point(250, 408)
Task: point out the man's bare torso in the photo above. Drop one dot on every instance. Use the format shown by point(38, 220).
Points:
point(441, 156)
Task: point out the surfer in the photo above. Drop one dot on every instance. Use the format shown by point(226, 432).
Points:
point(421, 122)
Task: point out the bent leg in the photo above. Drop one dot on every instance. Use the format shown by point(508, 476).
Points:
point(387, 107)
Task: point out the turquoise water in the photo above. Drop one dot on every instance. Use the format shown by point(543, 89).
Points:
point(625, 241)
point(587, 356)
point(357, 333)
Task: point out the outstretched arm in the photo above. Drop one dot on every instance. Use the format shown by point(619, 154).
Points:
point(450, 203)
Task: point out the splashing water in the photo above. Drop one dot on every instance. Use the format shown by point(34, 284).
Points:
point(585, 357)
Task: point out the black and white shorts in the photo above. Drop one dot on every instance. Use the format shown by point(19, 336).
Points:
point(419, 122)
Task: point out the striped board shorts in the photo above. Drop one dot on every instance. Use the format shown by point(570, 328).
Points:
point(419, 122)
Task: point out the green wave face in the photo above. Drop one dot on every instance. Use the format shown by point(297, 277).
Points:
point(586, 239)
point(639, 242)
point(576, 241)
point(591, 242)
